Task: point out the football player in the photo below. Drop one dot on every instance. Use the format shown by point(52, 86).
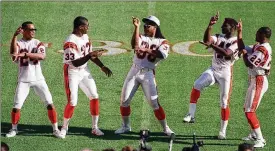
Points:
point(77, 52)
point(220, 72)
point(149, 50)
point(28, 52)
point(258, 60)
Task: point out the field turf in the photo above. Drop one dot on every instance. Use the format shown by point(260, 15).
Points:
point(180, 22)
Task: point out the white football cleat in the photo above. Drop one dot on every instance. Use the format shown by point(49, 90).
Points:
point(12, 133)
point(56, 133)
point(188, 118)
point(63, 133)
point(168, 131)
point(250, 137)
point(123, 129)
point(221, 135)
point(97, 132)
point(259, 143)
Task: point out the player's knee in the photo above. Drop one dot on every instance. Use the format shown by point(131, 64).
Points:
point(50, 106)
point(224, 106)
point(18, 105)
point(73, 103)
point(94, 96)
point(125, 103)
point(15, 110)
point(153, 100)
point(198, 86)
point(155, 104)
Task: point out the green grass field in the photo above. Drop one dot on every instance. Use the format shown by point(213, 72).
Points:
point(180, 21)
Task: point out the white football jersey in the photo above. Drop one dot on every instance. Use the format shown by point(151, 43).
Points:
point(30, 70)
point(218, 59)
point(260, 59)
point(76, 47)
point(145, 60)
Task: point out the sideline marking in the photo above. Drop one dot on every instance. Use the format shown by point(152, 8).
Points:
point(111, 47)
point(183, 48)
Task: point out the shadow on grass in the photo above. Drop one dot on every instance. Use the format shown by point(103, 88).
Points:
point(46, 130)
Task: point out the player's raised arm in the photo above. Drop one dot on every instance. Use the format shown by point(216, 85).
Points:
point(135, 37)
point(241, 45)
point(228, 29)
point(207, 34)
point(14, 46)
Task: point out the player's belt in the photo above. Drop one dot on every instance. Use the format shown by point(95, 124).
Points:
point(145, 69)
point(256, 76)
point(142, 69)
point(223, 57)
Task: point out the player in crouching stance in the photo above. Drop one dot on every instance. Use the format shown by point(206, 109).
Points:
point(258, 61)
point(28, 52)
point(149, 48)
point(225, 53)
point(77, 52)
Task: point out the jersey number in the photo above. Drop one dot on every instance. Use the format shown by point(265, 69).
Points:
point(142, 55)
point(257, 62)
point(69, 56)
point(34, 50)
point(25, 62)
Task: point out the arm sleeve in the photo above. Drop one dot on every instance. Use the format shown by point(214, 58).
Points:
point(215, 39)
point(70, 54)
point(164, 49)
point(41, 48)
point(248, 49)
point(90, 45)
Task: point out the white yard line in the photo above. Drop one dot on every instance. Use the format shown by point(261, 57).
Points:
point(151, 7)
point(146, 108)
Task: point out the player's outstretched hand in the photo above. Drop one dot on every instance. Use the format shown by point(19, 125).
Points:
point(240, 26)
point(107, 71)
point(20, 55)
point(214, 19)
point(97, 53)
point(136, 21)
point(208, 45)
point(16, 56)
